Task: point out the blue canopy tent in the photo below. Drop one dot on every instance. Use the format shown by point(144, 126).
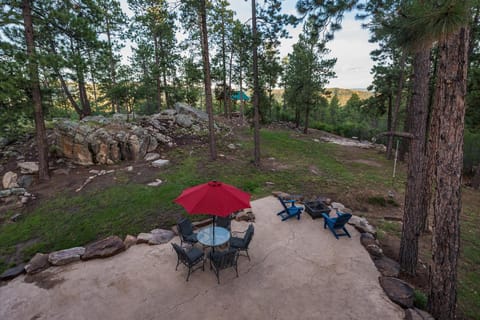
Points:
point(239, 96)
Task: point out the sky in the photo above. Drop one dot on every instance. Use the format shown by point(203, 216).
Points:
point(350, 45)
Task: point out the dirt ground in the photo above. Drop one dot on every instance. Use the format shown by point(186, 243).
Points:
point(298, 270)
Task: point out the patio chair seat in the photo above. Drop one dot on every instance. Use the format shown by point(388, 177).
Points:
point(241, 244)
point(336, 224)
point(185, 232)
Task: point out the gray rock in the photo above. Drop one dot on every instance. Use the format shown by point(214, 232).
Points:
point(338, 206)
point(129, 241)
point(25, 181)
point(387, 267)
point(9, 180)
point(417, 314)
point(12, 191)
point(231, 146)
point(151, 156)
point(169, 112)
point(28, 167)
point(38, 263)
point(104, 248)
point(163, 138)
point(374, 250)
point(186, 109)
point(160, 236)
point(62, 257)
point(362, 225)
point(367, 239)
point(120, 117)
point(16, 217)
point(13, 272)
point(144, 237)
point(398, 291)
point(183, 120)
point(160, 163)
point(155, 183)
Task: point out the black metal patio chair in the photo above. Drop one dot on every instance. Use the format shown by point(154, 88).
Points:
point(241, 244)
point(190, 258)
point(220, 260)
point(185, 232)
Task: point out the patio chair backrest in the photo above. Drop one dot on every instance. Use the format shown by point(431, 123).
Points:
point(342, 220)
point(185, 227)
point(248, 235)
point(182, 255)
point(283, 203)
point(224, 222)
point(226, 259)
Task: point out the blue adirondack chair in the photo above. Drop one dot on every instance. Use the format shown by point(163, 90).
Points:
point(289, 209)
point(337, 223)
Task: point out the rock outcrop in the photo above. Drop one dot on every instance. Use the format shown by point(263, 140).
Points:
point(101, 140)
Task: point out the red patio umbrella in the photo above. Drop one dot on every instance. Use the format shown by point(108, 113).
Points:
point(215, 198)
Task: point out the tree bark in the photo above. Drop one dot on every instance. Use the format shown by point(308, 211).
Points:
point(398, 102)
point(115, 105)
point(224, 68)
point(207, 79)
point(416, 204)
point(256, 88)
point(40, 131)
point(307, 115)
point(449, 116)
point(157, 73)
point(164, 74)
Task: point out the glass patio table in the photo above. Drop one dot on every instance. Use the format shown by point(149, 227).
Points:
point(213, 236)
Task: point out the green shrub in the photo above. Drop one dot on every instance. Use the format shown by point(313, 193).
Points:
point(420, 299)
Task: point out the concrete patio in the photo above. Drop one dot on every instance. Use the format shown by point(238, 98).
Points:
point(298, 271)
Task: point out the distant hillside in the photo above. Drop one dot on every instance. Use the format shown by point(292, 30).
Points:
point(343, 94)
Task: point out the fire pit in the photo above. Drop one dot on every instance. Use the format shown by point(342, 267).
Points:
point(316, 208)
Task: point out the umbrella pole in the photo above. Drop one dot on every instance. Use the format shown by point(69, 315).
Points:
point(213, 242)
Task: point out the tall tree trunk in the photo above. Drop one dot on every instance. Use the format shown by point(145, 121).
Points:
point(92, 74)
point(229, 94)
point(416, 204)
point(113, 74)
point(242, 101)
point(224, 68)
point(164, 74)
point(157, 72)
point(307, 114)
point(40, 133)
point(398, 102)
point(449, 116)
point(256, 88)
point(207, 79)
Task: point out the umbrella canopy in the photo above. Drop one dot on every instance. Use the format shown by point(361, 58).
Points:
point(215, 198)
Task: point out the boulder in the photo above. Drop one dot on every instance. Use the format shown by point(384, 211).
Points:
point(374, 250)
point(417, 314)
point(338, 206)
point(144, 237)
point(184, 108)
point(28, 167)
point(151, 156)
point(9, 180)
point(129, 241)
point(12, 192)
point(362, 225)
point(160, 236)
point(387, 267)
point(398, 291)
point(245, 215)
point(38, 263)
point(184, 120)
point(13, 272)
point(367, 239)
point(104, 248)
point(160, 163)
point(231, 146)
point(62, 257)
point(25, 181)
